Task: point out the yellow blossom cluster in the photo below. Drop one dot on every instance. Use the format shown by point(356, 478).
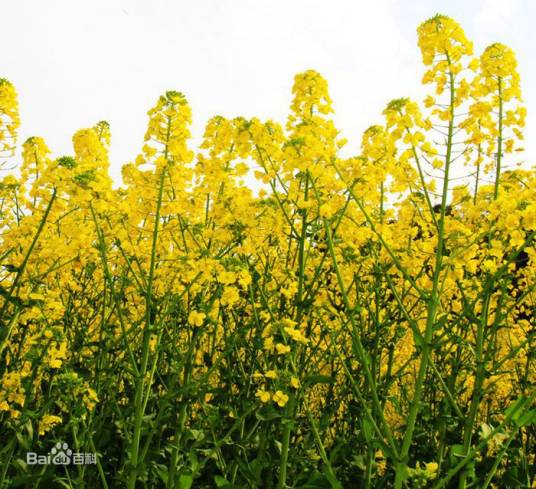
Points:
point(271, 307)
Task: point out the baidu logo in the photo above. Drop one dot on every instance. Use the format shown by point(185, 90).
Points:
point(61, 454)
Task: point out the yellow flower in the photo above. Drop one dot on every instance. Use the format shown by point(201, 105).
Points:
point(196, 318)
point(431, 468)
point(498, 60)
point(381, 463)
point(226, 277)
point(152, 343)
point(326, 210)
point(437, 163)
point(57, 355)
point(290, 291)
point(263, 395)
point(282, 349)
point(271, 374)
point(9, 116)
point(280, 398)
point(441, 35)
point(268, 344)
point(296, 335)
point(429, 101)
point(90, 398)
point(48, 421)
point(230, 296)
point(244, 279)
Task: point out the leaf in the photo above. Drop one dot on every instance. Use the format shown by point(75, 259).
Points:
point(359, 462)
point(21, 464)
point(515, 409)
point(316, 481)
point(194, 461)
point(245, 469)
point(333, 482)
point(221, 481)
point(24, 442)
point(257, 467)
point(162, 472)
point(367, 428)
point(457, 451)
point(267, 413)
point(186, 481)
point(527, 419)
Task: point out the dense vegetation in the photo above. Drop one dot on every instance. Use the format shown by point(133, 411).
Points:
point(267, 313)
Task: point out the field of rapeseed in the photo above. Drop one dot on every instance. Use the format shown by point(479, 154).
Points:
point(263, 312)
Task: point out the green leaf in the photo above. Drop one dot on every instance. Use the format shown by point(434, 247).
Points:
point(162, 472)
point(317, 481)
point(221, 481)
point(21, 464)
point(267, 413)
point(515, 409)
point(527, 419)
point(29, 429)
point(367, 429)
point(24, 442)
point(359, 462)
point(457, 451)
point(186, 481)
point(194, 461)
point(245, 469)
point(333, 482)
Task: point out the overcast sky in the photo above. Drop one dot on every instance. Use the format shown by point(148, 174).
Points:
point(77, 62)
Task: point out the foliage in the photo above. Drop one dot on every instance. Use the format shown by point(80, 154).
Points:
point(268, 313)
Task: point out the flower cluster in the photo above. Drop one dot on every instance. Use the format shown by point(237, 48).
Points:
point(264, 308)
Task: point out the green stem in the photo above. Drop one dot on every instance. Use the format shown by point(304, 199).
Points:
point(140, 383)
point(477, 389)
point(433, 305)
point(283, 462)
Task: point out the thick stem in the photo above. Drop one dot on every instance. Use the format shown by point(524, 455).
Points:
point(433, 305)
point(139, 410)
point(283, 462)
point(477, 389)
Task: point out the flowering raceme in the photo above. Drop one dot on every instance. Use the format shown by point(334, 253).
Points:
point(9, 117)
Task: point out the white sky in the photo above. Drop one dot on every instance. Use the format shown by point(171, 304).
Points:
point(76, 62)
